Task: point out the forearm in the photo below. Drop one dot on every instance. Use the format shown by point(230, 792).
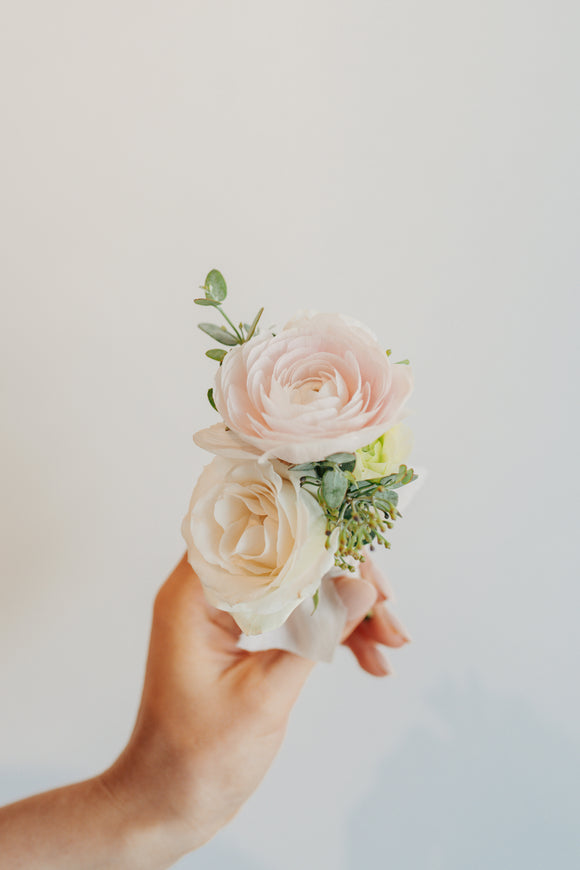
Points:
point(84, 827)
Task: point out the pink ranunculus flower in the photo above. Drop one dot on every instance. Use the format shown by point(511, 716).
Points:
point(322, 385)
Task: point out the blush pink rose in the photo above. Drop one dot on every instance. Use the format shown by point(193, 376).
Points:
point(323, 385)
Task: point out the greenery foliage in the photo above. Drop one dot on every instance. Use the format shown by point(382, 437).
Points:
point(216, 291)
point(358, 512)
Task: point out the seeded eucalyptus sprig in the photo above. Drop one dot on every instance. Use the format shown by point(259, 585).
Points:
point(216, 290)
point(361, 510)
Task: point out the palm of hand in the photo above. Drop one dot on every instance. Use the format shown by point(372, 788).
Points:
point(213, 716)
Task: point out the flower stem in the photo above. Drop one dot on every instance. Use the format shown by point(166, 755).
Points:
point(224, 315)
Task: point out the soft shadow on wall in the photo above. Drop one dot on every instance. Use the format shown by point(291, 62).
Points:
point(491, 785)
point(496, 787)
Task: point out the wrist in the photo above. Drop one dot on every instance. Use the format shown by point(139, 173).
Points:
point(147, 834)
point(151, 791)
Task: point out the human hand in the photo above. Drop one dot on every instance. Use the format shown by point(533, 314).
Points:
point(370, 622)
point(213, 716)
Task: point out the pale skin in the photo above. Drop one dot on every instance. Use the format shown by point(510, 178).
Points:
point(211, 720)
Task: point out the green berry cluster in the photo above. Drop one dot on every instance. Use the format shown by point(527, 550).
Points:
point(358, 512)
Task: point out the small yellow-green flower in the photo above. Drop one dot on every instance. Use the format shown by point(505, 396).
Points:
point(385, 454)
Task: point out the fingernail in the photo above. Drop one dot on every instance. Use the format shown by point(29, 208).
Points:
point(399, 628)
point(382, 663)
point(358, 596)
point(369, 569)
point(384, 586)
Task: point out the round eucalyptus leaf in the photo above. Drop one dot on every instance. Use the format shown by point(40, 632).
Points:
point(216, 353)
point(215, 286)
point(334, 487)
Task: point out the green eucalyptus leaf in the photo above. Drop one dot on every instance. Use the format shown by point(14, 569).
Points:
point(252, 327)
point(201, 301)
point(315, 600)
point(305, 468)
point(407, 476)
point(345, 461)
point(215, 286)
point(210, 398)
point(387, 501)
point(218, 333)
point(334, 487)
point(364, 488)
point(216, 353)
point(341, 458)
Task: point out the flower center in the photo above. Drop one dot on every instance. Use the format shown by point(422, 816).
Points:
point(307, 390)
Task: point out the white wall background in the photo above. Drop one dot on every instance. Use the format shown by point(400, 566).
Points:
point(414, 164)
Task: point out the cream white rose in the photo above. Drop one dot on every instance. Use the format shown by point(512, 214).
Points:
point(322, 385)
point(256, 540)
